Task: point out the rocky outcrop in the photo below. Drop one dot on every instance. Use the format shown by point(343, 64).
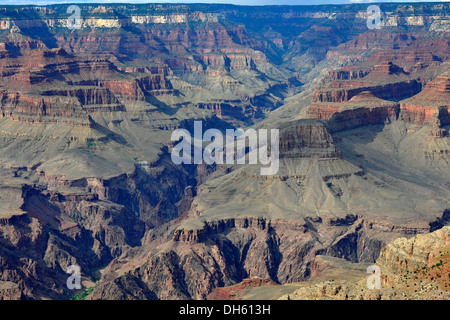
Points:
point(430, 105)
point(41, 256)
point(409, 255)
point(409, 57)
point(410, 269)
point(86, 95)
point(361, 110)
point(34, 109)
point(362, 116)
point(84, 222)
point(127, 287)
point(385, 69)
point(85, 121)
point(79, 87)
point(226, 109)
point(193, 264)
point(377, 93)
point(389, 91)
point(345, 73)
point(422, 114)
point(307, 138)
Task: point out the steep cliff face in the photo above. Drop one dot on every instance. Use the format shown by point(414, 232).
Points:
point(430, 106)
point(199, 42)
point(410, 269)
point(362, 116)
point(219, 243)
point(52, 86)
point(223, 253)
point(86, 118)
point(391, 91)
point(41, 245)
point(92, 222)
point(377, 93)
point(307, 139)
point(418, 268)
point(409, 255)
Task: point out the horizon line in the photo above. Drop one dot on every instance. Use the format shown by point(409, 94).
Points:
point(350, 3)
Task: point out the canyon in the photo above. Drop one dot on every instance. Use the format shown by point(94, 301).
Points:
point(408, 267)
point(86, 176)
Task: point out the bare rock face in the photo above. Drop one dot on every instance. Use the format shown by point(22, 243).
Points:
point(86, 118)
point(408, 255)
point(223, 256)
point(211, 248)
point(410, 269)
point(431, 104)
point(37, 260)
point(385, 69)
point(362, 116)
point(127, 287)
point(79, 87)
point(306, 139)
point(379, 91)
point(361, 110)
point(397, 90)
point(353, 97)
point(88, 225)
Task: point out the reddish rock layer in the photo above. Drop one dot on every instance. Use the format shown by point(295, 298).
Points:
point(235, 291)
point(307, 138)
point(78, 87)
point(431, 105)
point(396, 90)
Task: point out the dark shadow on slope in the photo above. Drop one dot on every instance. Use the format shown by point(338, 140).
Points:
point(110, 134)
point(162, 107)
